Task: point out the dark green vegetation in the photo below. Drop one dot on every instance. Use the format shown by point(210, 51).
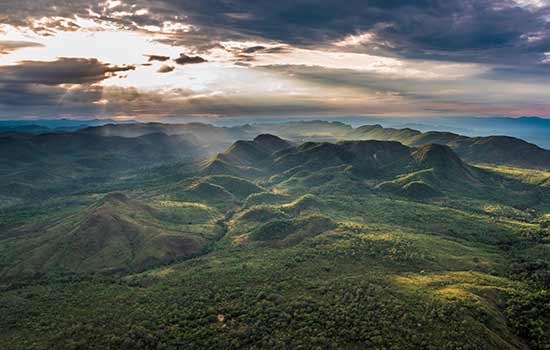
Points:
point(142, 237)
point(491, 149)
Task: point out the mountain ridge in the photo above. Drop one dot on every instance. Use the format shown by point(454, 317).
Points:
point(504, 150)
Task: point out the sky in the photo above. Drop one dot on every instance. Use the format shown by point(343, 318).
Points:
point(177, 60)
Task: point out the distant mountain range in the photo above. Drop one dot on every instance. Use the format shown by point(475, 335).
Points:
point(37, 126)
point(37, 164)
point(503, 150)
point(531, 129)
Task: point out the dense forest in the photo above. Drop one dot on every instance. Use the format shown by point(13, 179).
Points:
point(300, 235)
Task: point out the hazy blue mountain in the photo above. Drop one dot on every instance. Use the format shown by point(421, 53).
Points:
point(46, 125)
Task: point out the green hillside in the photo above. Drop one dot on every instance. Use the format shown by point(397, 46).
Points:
point(274, 244)
point(114, 233)
point(501, 150)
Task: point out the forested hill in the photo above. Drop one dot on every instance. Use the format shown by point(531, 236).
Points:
point(503, 150)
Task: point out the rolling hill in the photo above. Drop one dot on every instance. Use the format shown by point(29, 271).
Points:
point(429, 171)
point(113, 234)
point(500, 150)
point(38, 166)
point(270, 244)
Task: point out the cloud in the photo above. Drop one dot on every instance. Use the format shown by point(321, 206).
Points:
point(261, 49)
point(45, 101)
point(509, 39)
point(184, 59)
point(31, 95)
point(54, 88)
point(243, 55)
point(45, 17)
point(491, 31)
point(61, 71)
point(158, 58)
point(166, 69)
point(478, 89)
point(477, 31)
point(253, 49)
point(7, 46)
point(324, 92)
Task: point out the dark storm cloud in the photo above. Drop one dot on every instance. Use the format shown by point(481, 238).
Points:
point(29, 95)
point(47, 85)
point(464, 30)
point(61, 71)
point(494, 32)
point(184, 59)
point(152, 58)
point(7, 46)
